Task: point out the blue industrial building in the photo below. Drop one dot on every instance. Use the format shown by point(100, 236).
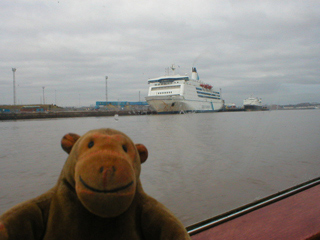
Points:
point(121, 104)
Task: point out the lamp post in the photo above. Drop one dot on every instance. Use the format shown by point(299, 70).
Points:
point(14, 85)
point(43, 96)
point(106, 90)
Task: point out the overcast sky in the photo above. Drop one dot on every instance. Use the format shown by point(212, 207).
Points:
point(268, 49)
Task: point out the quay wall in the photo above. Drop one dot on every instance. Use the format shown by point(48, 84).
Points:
point(36, 115)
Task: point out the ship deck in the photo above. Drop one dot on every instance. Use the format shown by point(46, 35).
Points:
point(294, 216)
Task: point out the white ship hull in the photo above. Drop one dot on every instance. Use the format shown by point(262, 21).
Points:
point(181, 94)
point(181, 105)
point(252, 107)
point(252, 104)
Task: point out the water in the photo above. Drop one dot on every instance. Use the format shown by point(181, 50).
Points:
point(199, 165)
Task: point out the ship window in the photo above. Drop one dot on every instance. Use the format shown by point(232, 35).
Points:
point(164, 87)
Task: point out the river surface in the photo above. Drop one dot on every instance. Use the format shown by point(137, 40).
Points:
point(199, 165)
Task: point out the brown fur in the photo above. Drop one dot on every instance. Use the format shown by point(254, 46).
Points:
point(98, 196)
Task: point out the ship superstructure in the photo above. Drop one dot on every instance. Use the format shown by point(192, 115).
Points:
point(181, 94)
point(252, 103)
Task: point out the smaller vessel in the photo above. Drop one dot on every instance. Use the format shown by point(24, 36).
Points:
point(252, 104)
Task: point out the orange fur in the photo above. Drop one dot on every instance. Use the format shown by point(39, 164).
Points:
point(98, 196)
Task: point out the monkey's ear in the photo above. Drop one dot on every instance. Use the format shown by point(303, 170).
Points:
point(68, 141)
point(143, 152)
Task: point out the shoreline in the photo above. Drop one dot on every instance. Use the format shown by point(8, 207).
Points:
point(69, 114)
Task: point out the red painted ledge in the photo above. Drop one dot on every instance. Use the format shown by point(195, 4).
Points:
point(294, 217)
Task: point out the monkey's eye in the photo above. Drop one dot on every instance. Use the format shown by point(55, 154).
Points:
point(124, 148)
point(90, 144)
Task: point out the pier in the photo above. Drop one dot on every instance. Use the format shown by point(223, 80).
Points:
point(69, 114)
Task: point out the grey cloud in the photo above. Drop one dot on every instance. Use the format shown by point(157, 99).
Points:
point(244, 47)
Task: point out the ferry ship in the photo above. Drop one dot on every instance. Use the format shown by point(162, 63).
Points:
point(182, 94)
point(252, 104)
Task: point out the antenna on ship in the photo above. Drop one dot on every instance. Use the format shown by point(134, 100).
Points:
point(167, 70)
point(173, 67)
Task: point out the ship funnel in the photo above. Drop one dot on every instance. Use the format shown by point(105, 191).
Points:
point(194, 74)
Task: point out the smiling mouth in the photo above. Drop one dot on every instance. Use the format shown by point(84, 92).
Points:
point(105, 191)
